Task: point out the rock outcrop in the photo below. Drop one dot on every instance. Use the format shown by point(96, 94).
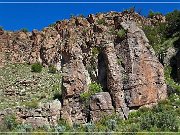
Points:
point(114, 80)
point(144, 71)
point(45, 114)
point(100, 106)
point(92, 50)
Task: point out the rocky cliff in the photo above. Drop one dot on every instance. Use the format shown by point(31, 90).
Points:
point(110, 49)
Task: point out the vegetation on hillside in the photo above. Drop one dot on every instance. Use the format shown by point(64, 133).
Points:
point(163, 117)
point(36, 67)
point(20, 86)
point(92, 89)
point(164, 35)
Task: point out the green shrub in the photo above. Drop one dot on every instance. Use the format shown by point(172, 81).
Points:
point(95, 51)
point(89, 127)
point(112, 125)
point(162, 107)
point(52, 25)
point(119, 61)
point(24, 30)
point(52, 69)
point(63, 125)
point(57, 95)
point(163, 35)
point(10, 122)
point(93, 88)
point(101, 21)
point(147, 121)
point(39, 131)
point(106, 118)
point(134, 114)
point(100, 127)
point(157, 39)
point(1, 28)
point(133, 128)
point(109, 123)
point(84, 31)
point(60, 129)
point(151, 14)
point(85, 96)
point(165, 121)
point(175, 99)
point(31, 104)
point(173, 23)
point(121, 33)
point(169, 81)
point(3, 127)
point(112, 31)
point(37, 67)
point(24, 128)
point(144, 109)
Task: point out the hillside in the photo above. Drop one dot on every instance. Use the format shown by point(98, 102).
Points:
point(107, 72)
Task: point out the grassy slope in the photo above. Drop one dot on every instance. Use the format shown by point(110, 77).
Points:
point(42, 86)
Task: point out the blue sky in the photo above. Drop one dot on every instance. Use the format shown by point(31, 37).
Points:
point(37, 16)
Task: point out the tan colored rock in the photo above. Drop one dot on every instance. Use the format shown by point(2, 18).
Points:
point(100, 105)
point(114, 79)
point(146, 82)
point(80, 21)
point(45, 114)
point(22, 35)
point(37, 121)
point(74, 82)
point(128, 70)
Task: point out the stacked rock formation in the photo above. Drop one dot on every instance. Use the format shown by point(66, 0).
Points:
point(89, 50)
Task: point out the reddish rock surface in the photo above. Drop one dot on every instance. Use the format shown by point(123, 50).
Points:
point(89, 50)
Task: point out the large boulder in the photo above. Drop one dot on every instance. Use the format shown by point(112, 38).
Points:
point(100, 106)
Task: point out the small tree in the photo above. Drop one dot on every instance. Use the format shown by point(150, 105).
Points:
point(101, 21)
point(121, 33)
point(111, 124)
point(10, 122)
point(24, 30)
point(173, 23)
point(52, 69)
point(152, 13)
point(1, 28)
point(37, 67)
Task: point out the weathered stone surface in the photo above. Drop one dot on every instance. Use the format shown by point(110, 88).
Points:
point(74, 83)
point(89, 50)
point(145, 73)
point(37, 121)
point(100, 105)
point(44, 114)
point(171, 52)
point(114, 79)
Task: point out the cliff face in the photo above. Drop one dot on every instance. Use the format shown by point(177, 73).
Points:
point(109, 49)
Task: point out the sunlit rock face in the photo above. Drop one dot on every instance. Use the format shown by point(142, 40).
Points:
point(110, 49)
